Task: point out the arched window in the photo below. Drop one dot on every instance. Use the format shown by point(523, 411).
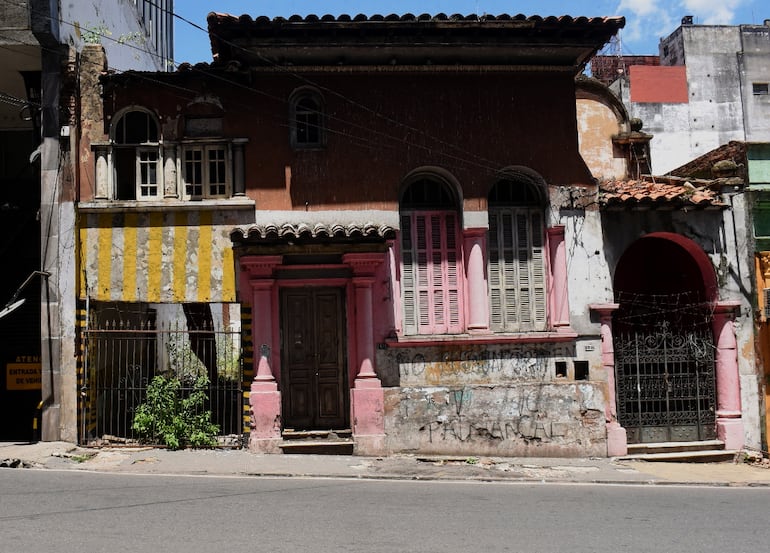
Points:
point(431, 259)
point(516, 270)
point(306, 119)
point(137, 170)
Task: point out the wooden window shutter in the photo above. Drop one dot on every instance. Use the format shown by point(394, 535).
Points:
point(516, 270)
point(431, 275)
point(408, 288)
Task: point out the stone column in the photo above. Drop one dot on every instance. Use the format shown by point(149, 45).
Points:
point(478, 299)
point(367, 399)
point(617, 441)
point(103, 177)
point(170, 186)
point(265, 398)
point(558, 297)
point(729, 420)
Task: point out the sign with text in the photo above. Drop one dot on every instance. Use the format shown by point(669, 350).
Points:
point(23, 376)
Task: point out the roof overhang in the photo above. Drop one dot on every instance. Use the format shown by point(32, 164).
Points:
point(503, 40)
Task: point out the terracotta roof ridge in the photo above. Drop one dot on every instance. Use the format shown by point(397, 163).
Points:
point(221, 17)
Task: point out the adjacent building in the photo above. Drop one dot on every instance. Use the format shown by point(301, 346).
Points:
point(40, 57)
point(708, 86)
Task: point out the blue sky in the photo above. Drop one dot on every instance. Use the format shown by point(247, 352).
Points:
point(646, 20)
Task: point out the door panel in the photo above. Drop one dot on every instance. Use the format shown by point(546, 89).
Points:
point(314, 379)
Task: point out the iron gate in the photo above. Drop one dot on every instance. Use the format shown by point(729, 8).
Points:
point(665, 385)
point(120, 360)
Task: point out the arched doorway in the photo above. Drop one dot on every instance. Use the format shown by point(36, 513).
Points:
point(664, 348)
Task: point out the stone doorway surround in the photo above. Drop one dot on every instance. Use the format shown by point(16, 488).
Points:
point(259, 286)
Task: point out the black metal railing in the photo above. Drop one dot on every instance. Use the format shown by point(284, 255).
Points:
point(121, 359)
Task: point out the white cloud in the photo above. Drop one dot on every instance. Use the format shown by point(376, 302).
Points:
point(712, 12)
point(646, 22)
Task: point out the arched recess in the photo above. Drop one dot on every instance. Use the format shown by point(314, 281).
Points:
point(666, 290)
point(432, 282)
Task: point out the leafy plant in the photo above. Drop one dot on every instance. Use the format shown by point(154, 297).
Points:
point(166, 417)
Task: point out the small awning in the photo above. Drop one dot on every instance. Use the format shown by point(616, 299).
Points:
point(659, 193)
point(318, 232)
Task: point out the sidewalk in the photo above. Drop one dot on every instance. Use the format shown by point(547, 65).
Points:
point(141, 460)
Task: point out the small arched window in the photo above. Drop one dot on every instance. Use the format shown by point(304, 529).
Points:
point(431, 258)
point(517, 271)
point(307, 119)
point(136, 154)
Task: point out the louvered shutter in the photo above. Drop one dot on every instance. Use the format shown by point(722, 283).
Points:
point(431, 274)
point(408, 287)
point(516, 270)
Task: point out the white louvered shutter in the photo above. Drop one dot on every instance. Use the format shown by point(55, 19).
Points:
point(517, 285)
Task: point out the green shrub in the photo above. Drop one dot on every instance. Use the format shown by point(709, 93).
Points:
point(170, 419)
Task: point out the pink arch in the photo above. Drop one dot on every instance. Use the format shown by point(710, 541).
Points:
point(699, 256)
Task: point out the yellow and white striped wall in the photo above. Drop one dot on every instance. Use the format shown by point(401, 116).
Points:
point(157, 256)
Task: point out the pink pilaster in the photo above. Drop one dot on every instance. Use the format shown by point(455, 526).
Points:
point(478, 302)
point(367, 399)
point(558, 298)
point(265, 398)
point(617, 441)
point(729, 421)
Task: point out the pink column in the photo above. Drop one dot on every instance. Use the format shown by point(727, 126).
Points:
point(617, 441)
point(366, 377)
point(367, 398)
point(265, 398)
point(478, 301)
point(729, 421)
point(558, 298)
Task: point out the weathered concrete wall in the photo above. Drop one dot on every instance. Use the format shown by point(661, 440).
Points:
point(532, 419)
point(714, 113)
point(754, 62)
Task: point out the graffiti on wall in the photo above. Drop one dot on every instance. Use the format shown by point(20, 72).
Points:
point(476, 364)
point(501, 416)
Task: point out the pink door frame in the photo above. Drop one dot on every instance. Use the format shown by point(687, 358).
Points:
point(729, 414)
point(260, 287)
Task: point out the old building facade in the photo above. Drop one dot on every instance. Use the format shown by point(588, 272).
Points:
point(394, 215)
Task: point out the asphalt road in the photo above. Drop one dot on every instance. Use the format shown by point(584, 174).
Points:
point(72, 511)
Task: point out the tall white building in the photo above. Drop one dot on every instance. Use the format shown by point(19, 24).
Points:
point(711, 87)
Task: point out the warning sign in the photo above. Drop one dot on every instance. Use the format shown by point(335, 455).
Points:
point(23, 376)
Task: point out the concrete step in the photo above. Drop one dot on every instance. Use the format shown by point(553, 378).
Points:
point(674, 447)
point(708, 456)
point(318, 447)
point(318, 442)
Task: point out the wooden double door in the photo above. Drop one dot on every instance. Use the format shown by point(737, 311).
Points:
point(314, 376)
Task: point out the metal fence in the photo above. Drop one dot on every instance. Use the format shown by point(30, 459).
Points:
point(121, 359)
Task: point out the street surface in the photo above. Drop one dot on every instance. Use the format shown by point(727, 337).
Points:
point(72, 511)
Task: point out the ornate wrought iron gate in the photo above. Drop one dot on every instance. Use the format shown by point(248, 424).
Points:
point(665, 384)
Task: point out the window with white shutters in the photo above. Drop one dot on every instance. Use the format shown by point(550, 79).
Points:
point(516, 268)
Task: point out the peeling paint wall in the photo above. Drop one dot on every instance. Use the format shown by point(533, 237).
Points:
point(534, 419)
point(597, 123)
point(158, 257)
